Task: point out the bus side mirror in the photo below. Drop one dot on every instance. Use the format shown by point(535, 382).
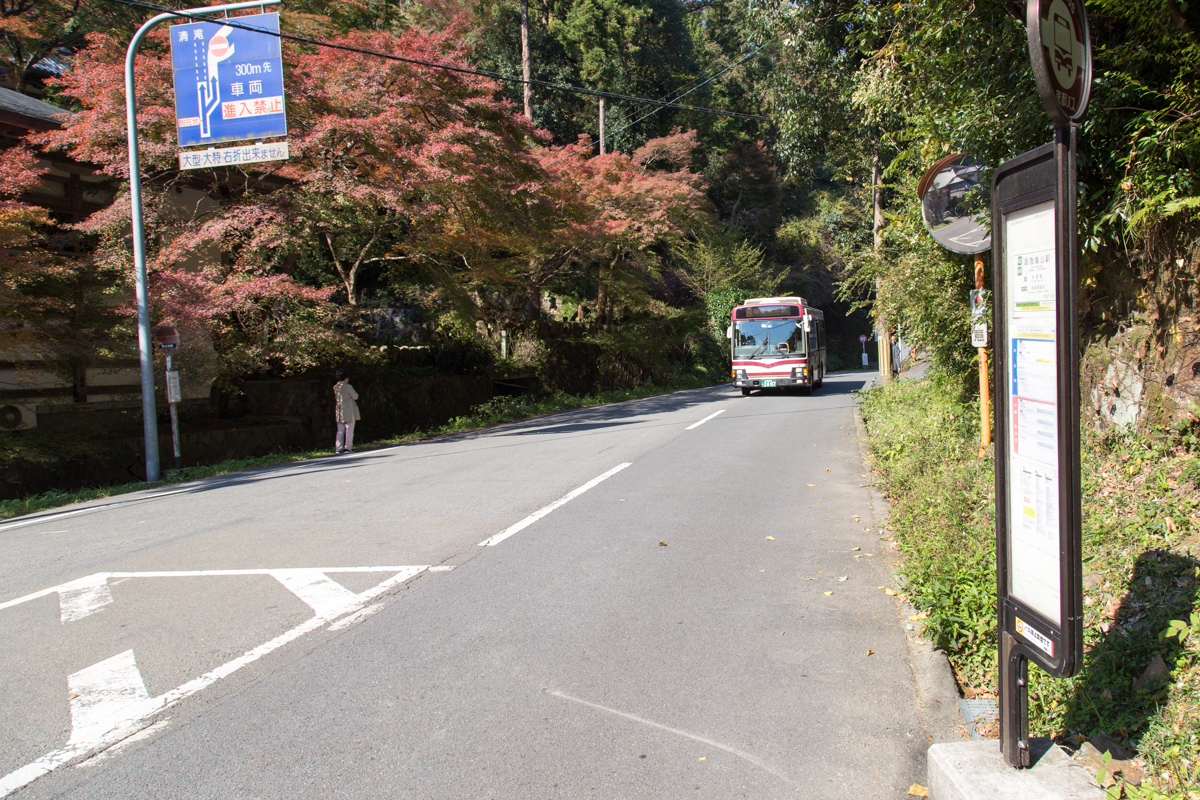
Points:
point(807, 323)
point(729, 332)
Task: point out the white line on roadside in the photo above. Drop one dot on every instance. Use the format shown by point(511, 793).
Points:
point(541, 512)
point(706, 419)
point(241, 476)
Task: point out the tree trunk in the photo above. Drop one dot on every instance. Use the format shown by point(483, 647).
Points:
point(601, 126)
point(602, 299)
point(533, 300)
point(525, 69)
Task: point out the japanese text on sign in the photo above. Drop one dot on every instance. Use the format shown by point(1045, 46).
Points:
point(1033, 515)
point(228, 80)
point(228, 156)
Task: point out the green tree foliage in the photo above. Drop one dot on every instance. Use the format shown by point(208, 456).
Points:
point(910, 82)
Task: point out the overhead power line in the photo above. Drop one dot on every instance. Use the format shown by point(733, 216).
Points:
point(497, 76)
point(709, 78)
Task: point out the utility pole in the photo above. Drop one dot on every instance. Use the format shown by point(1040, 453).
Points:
point(884, 339)
point(602, 126)
point(525, 70)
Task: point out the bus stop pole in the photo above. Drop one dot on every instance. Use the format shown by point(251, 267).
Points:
point(141, 292)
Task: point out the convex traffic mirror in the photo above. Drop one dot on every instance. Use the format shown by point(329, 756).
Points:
point(955, 204)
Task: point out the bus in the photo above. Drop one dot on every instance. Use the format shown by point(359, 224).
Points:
point(777, 342)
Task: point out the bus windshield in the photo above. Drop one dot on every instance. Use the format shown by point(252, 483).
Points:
point(761, 337)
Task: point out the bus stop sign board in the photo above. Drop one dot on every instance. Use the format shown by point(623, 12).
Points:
point(228, 80)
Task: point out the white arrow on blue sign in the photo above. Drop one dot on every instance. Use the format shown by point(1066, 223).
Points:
point(228, 81)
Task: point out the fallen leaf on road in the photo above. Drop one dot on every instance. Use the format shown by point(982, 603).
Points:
point(843, 577)
point(810, 484)
point(620, 501)
point(859, 555)
point(890, 592)
point(868, 530)
point(917, 790)
point(810, 579)
point(870, 652)
point(828, 593)
point(827, 470)
point(880, 587)
point(862, 476)
point(855, 548)
point(702, 758)
point(662, 544)
point(770, 538)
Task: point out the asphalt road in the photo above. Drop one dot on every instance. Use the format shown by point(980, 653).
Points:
point(338, 628)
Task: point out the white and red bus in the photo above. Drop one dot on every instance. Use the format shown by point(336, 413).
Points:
point(777, 342)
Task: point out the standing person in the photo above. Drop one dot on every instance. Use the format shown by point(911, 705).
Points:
point(345, 413)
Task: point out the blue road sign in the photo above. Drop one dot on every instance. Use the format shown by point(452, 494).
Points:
point(228, 81)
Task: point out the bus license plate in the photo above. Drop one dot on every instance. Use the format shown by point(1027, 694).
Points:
point(767, 384)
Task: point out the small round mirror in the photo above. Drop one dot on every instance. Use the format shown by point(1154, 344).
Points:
point(955, 204)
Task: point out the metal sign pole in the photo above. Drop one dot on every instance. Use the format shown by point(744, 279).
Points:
point(141, 293)
point(172, 400)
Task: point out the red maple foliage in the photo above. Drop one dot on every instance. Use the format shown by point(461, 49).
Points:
point(390, 161)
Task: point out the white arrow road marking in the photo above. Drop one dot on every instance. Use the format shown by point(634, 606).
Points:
point(84, 597)
point(328, 598)
point(103, 696)
point(541, 512)
point(706, 419)
point(111, 701)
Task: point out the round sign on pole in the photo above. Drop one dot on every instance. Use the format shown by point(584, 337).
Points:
point(862, 338)
point(1060, 48)
point(956, 204)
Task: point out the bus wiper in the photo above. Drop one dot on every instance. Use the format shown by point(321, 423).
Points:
point(761, 347)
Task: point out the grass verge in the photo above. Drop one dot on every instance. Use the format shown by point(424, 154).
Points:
point(496, 411)
point(1139, 689)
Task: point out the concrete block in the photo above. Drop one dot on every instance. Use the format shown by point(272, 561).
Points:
point(977, 771)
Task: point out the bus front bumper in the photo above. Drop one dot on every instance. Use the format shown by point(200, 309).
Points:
point(767, 383)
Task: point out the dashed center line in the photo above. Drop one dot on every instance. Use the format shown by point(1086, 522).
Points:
point(541, 512)
point(706, 419)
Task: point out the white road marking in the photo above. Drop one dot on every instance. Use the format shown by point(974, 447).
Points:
point(706, 419)
point(239, 476)
point(141, 735)
point(355, 618)
point(116, 577)
point(758, 762)
point(328, 598)
point(84, 597)
point(101, 696)
point(113, 707)
point(541, 512)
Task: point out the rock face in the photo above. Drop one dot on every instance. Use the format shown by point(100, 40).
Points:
point(1136, 379)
